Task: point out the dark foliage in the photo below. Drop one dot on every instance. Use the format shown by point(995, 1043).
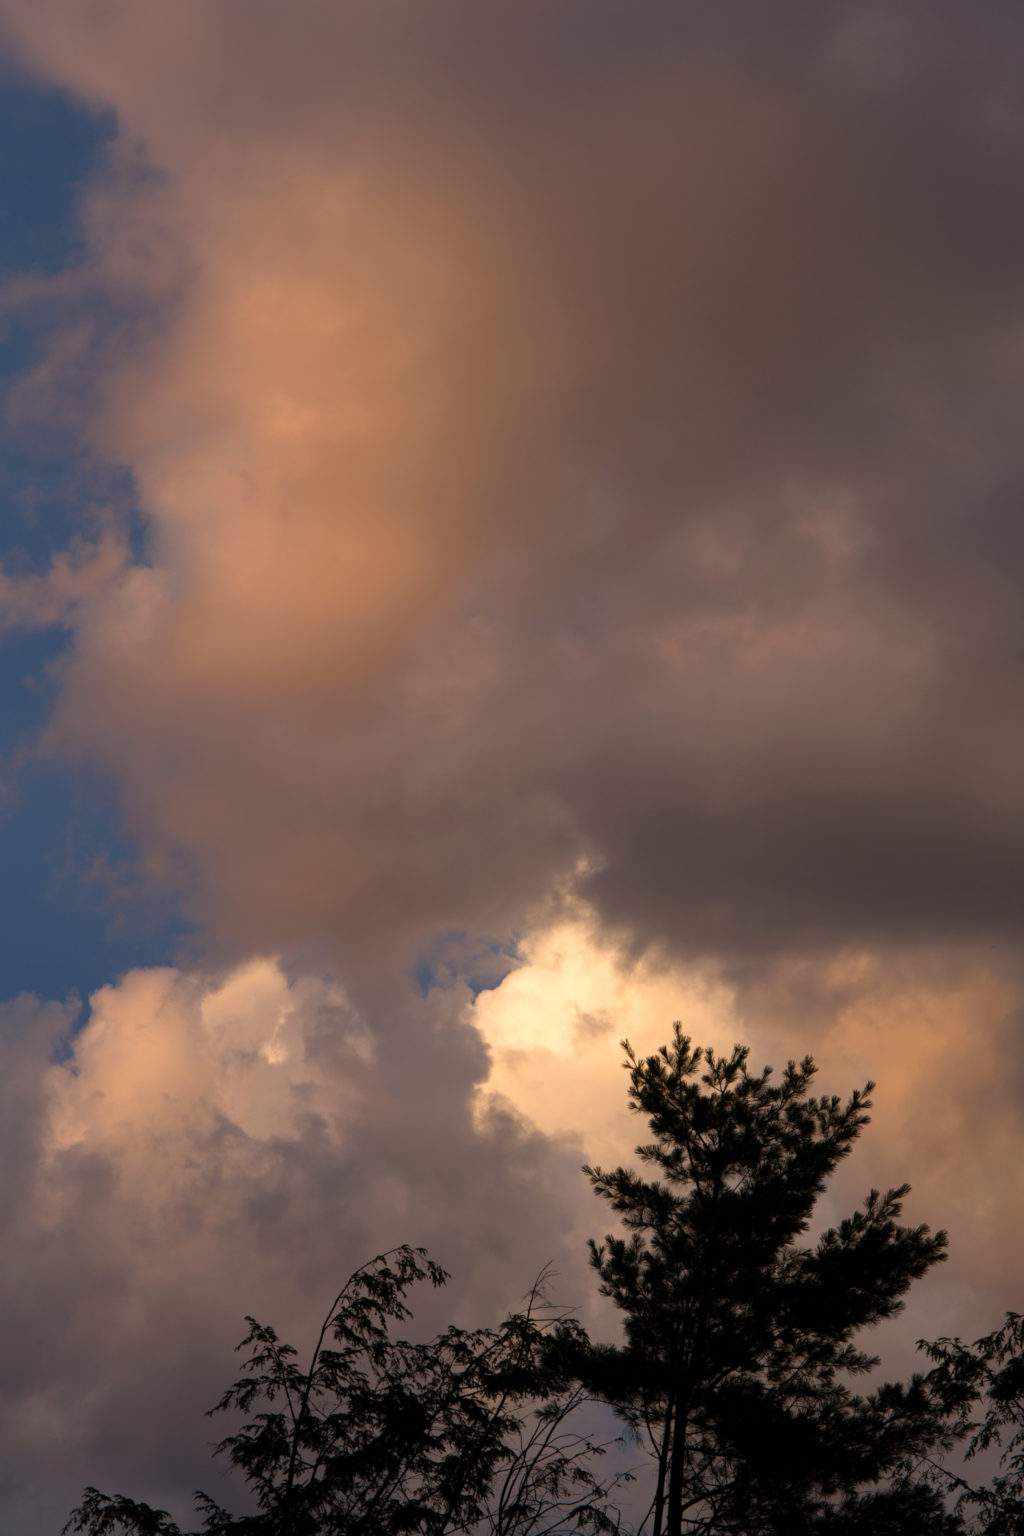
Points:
point(473, 1431)
point(982, 1387)
point(739, 1342)
point(737, 1366)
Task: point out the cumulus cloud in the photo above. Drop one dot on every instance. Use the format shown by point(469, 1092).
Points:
point(580, 464)
point(939, 1032)
point(206, 1145)
point(554, 1026)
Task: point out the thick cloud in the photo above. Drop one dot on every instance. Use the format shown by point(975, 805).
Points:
point(584, 435)
point(579, 452)
point(212, 1145)
point(940, 1034)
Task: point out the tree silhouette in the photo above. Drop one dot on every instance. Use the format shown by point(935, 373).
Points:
point(474, 1431)
point(739, 1343)
point(982, 1386)
point(737, 1366)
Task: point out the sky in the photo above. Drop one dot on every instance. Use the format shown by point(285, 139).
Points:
point(511, 536)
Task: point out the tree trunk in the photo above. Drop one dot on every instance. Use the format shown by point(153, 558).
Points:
point(663, 1455)
point(676, 1473)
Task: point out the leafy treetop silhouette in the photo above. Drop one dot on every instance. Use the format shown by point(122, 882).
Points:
point(737, 1365)
point(473, 1431)
point(740, 1341)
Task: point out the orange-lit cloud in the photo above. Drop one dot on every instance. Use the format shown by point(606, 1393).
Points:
point(56, 595)
point(206, 1138)
point(579, 457)
point(211, 1143)
point(939, 1034)
point(551, 463)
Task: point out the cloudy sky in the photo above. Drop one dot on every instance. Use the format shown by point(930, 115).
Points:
point(511, 536)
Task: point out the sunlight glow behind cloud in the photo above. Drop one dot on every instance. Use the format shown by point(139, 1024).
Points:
point(579, 460)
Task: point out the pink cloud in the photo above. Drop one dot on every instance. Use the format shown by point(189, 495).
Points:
point(583, 447)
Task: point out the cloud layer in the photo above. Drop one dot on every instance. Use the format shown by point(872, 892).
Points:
point(559, 451)
point(580, 462)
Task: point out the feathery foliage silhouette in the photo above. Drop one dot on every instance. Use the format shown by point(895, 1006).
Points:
point(739, 1341)
point(473, 1431)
